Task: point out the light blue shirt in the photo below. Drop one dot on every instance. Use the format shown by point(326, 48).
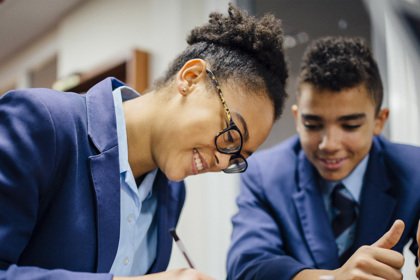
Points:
point(353, 183)
point(138, 232)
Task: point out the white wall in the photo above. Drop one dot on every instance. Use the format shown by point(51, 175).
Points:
point(101, 29)
point(17, 68)
point(205, 225)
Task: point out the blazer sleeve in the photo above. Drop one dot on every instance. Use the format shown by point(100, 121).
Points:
point(257, 243)
point(27, 165)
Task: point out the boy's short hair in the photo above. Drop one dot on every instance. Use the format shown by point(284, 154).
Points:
point(337, 63)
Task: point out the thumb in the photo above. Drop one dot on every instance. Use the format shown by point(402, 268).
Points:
point(391, 237)
point(418, 240)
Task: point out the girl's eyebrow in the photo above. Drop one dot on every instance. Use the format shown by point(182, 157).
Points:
point(245, 133)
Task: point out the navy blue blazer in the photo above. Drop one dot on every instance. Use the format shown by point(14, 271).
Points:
point(282, 226)
point(60, 186)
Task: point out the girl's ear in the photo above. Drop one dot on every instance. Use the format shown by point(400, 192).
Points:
point(190, 74)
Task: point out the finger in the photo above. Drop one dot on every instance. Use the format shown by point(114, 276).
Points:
point(418, 241)
point(389, 257)
point(391, 237)
point(418, 272)
point(383, 271)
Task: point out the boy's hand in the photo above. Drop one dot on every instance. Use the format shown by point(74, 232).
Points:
point(418, 251)
point(377, 260)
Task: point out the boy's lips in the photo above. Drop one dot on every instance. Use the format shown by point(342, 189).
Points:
point(332, 164)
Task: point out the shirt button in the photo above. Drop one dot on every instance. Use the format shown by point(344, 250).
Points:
point(129, 218)
point(126, 261)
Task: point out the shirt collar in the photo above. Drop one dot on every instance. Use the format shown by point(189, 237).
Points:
point(145, 188)
point(353, 182)
point(121, 94)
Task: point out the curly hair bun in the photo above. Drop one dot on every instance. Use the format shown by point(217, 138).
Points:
point(240, 49)
point(261, 38)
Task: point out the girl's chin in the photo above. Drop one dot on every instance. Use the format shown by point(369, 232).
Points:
point(175, 177)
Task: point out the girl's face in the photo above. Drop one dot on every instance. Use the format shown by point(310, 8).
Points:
point(187, 145)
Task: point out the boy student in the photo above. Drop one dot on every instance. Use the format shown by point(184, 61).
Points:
point(337, 199)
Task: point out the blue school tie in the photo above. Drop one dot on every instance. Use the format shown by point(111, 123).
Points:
point(344, 221)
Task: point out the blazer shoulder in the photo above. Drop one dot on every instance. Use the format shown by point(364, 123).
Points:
point(399, 157)
point(56, 102)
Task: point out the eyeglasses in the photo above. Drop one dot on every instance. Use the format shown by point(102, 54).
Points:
point(229, 140)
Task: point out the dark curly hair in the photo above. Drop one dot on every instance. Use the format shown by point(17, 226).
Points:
point(240, 48)
point(337, 63)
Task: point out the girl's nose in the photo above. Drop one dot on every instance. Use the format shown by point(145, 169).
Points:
point(222, 160)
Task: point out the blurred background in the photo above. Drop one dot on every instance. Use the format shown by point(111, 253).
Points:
point(72, 44)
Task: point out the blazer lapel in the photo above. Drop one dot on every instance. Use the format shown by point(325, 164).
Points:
point(313, 217)
point(377, 206)
point(165, 221)
point(107, 190)
point(104, 169)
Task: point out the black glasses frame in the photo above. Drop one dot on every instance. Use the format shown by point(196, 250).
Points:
point(232, 126)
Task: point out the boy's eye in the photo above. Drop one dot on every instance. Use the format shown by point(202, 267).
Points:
point(312, 126)
point(351, 126)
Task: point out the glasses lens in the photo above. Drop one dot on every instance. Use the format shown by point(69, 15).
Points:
point(229, 141)
point(236, 164)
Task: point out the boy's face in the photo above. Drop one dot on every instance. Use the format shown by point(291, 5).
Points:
point(336, 128)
